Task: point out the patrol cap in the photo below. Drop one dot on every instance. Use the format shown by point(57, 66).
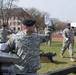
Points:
point(28, 22)
point(4, 25)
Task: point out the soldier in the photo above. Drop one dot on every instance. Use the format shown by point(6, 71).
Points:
point(27, 45)
point(50, 34)
point(68, 41)
point(3, 34)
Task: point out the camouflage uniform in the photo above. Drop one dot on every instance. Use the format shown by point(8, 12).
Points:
point(69, 34)
point(27, 49)
point(3, 35)
point(50, 34)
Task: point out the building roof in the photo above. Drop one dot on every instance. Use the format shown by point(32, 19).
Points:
point(14, 12)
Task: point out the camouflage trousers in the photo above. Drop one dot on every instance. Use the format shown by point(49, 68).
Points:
point(70, 46)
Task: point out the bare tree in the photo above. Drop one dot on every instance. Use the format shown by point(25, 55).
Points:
point(1, 9)
point(5, 9)
point(37, 15)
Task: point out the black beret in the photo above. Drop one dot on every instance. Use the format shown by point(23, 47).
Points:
point(4, 25)
point(28, 22)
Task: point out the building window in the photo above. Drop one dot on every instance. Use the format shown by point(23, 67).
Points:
point(19, 23)
point(18, 18)
point(14, 23)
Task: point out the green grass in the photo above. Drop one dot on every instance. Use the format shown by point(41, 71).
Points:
point(59, 62)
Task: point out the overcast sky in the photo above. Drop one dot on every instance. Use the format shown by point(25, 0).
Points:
point(65, 10)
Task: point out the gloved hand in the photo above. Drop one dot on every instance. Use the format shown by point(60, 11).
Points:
point(67, 39)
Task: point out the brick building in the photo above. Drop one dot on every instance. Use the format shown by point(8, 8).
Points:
point(15, 17)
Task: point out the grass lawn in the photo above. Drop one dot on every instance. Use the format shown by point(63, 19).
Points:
point(59, 62)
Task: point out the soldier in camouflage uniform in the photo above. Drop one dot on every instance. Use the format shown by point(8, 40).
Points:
point(68, 41)
point(3, 34)
point(27, 45)
point(50, 34)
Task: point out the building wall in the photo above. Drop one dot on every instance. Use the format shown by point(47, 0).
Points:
point(15, 18)
point(14, 22)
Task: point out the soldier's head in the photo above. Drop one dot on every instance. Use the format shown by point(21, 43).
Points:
point(4, 26)
point(29, 25)
point(68, 25)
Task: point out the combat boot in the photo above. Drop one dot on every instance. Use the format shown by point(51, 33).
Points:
point(72, 59)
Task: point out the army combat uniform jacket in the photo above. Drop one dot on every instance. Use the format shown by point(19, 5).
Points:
point(3, 35)
point(27, 49)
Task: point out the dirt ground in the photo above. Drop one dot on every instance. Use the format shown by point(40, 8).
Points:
point(58, 37)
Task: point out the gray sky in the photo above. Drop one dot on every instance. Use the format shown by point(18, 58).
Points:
point(65, 10)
